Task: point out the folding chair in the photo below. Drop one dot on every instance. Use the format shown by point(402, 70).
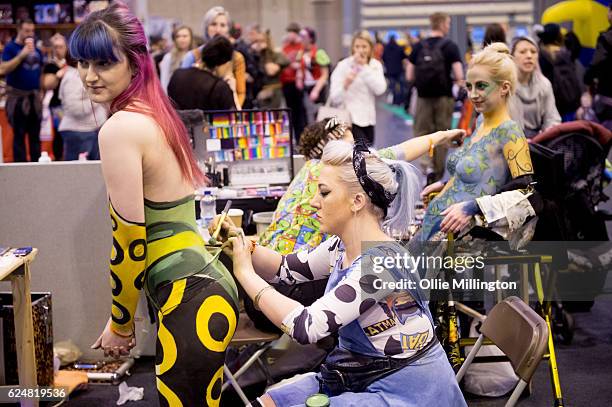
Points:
point(520, 333)
point(247, 334)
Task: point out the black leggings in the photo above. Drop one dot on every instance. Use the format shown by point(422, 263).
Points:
point(195, 325)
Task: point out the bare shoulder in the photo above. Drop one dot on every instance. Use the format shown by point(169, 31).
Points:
point(129, 127)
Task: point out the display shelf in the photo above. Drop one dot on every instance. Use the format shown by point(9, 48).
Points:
point(249, 135)
point(254, 145)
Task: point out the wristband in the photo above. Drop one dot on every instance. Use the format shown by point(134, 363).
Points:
point(258, 296)
point(431, 146)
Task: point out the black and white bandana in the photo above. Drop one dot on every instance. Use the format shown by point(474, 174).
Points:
point(379, 196)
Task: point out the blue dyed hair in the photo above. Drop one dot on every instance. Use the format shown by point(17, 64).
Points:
point(93, 42)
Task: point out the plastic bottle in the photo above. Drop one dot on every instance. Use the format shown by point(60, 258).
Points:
point(208, 208)
point(44, 157)
point(317, 400)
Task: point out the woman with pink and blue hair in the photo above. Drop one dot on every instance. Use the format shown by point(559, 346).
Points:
point(150, 174)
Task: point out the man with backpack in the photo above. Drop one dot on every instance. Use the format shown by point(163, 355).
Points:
point(430, 66)
point(558, 66)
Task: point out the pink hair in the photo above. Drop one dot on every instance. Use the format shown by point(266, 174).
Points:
point(113, 29)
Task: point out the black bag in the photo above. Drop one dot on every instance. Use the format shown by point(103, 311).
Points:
point(565, 84)
point(345, 371)
point(430, 67)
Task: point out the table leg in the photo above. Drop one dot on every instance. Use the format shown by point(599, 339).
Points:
point(24, 330)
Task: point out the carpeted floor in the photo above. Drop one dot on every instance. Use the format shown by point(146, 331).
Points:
point(584, 370)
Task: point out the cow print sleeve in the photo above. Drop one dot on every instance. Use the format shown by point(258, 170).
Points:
point(355, 294)
point(304, 266)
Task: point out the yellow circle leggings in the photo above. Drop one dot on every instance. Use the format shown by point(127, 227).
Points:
point(196, 322)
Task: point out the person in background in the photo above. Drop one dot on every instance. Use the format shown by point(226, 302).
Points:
point(158, 50)
point(22, 63)
point(294, 97)
point(434, 64)
point(393, 57)
point(494, 33)
point(598, 76)
point(379, 47)
point(53, 72)
point(252, 33)
point(217, 22)
point(271, 63)
point(313, 74)
point(557, 65)
point(356, 82)
point(533, 104)
point(204, 88)
point(182, 37)
point(294, 224)
point(150, 173)
point(240, 45)
point(81, 119)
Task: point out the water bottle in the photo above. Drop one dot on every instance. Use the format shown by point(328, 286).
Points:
point(44, 157)
point(208, 208)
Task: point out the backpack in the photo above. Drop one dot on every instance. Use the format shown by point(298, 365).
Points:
point(430, 68)
point(565, 84)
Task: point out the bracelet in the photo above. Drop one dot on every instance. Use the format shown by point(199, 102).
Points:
point(121, 334)
point(431, 146)
point(258, 296)
point(253, 246)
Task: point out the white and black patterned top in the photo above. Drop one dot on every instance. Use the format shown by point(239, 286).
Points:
point(371, 321)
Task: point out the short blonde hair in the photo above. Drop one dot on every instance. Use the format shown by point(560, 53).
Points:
point(363, 35)
point(496, 57)
point(339, 153)
point(437, 19)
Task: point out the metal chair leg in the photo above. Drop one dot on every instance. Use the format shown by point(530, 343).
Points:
point(518, 390)
point(232, 380)
point(470, 357)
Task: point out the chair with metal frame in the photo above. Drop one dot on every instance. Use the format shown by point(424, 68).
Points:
point(520, 333)
point(247, 334)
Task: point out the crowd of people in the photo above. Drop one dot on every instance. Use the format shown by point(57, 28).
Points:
point(110, 91)
point(246, 70)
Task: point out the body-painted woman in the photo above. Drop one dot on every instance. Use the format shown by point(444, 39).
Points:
point(150, 175)
point(496, 153)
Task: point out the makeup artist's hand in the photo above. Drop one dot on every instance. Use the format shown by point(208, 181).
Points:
point(238, 248)
point(228, 228)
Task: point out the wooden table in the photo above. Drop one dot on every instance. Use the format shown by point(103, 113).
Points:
point(17, 270)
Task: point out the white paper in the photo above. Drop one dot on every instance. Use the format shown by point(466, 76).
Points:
point(213, 144)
